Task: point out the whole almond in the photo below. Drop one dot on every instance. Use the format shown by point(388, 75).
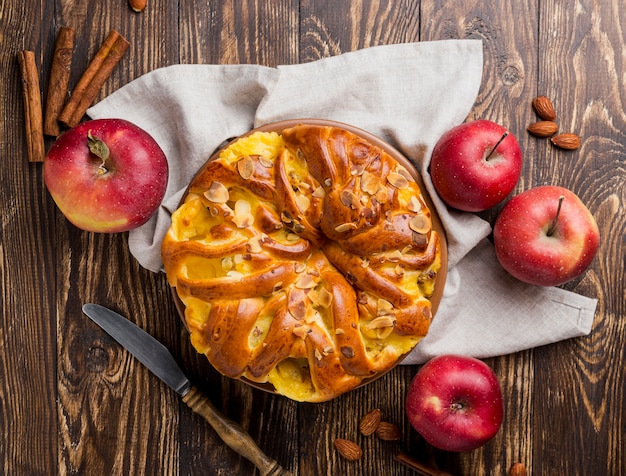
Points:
point(567, 141)
point(544, 108)
point(543, 128)
point(388, 431)
point(370, 422)
point(348, 449)
point(138, 5)
point(518, 469)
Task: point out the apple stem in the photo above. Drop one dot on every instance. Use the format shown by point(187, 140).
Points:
point(558, 211)
point(497, 144)
point(100, 150)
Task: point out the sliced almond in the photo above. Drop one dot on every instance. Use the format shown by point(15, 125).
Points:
point(405, 173)
point(369, 183)
point(344, 227)
point(319, 192)
point(227, 263)
point(397, 180)
point(299, 267)
point(266, 162)
point(254, 245)
point(217, 193)
point(324, 298)
point(235, 275)
point(243, 214)
point(380, 322)
point(339, 331)
point(420, 224)
point(383, 307)
point(306, 281)
point(301, 331)
point(303, 203)
point(414, 204)
point(245, 167)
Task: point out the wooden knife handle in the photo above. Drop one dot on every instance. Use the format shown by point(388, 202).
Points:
point(233, 434)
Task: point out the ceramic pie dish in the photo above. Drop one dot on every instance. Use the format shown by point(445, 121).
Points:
point(306, 258)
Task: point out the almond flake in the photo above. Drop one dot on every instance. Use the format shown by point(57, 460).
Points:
point(325, 298)
point(345, 227)
point(357, 169)
point(414, 204)
point(383, 307)
point(405, 173)
point(380, 322)
point(301, 157)
point(318, 354)
point(227, 263)
point(235, 275)
point(243, 214)
point(217, 193)
point(254, 245)
point(420, 224)
point(339, 331)
point(328, 350)
point(299, 267)
point(382, 196)
point(305, 281)
point(301, 331)
point(297, 310)
point(365, 262)
point(399, 270)
point(369, 183)
point(347, 198)
point(266, 162)
point(319, 192)
point(397, 180)
point(328, 182)
point(245, 167)
point(303, 203)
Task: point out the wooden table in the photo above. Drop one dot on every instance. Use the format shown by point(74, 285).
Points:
point(73, 402)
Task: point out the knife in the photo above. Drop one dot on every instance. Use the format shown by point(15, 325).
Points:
point(160, 361)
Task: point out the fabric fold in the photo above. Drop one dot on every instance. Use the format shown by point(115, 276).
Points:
point(408, 95)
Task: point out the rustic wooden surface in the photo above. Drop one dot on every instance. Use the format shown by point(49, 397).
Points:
point(73, 402)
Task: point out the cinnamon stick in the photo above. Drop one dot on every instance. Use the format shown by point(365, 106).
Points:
point(59, 80)
point(90, 83)
point(419, 467)
point(32, 106)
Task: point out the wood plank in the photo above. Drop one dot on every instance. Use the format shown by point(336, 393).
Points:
point(329, 28)
point(27, 324)
point(509, 84)
point(113, 415)
point(232, 32)
point(581, 67)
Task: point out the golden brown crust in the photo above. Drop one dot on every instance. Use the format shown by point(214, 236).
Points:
point(306, 263)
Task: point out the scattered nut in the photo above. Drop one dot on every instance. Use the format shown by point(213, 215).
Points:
point(567, 141)
point(370, 422)
point(348, 449)
point(518, 469)
point(138, 5)
point(388, 431)
point(543, 129)
point(544, 108)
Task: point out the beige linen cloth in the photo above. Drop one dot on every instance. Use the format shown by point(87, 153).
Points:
point(408, 95)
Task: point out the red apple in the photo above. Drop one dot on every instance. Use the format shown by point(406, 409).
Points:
point(455, 403)
point(476, 165)
point(106, 175)
point(543, 239)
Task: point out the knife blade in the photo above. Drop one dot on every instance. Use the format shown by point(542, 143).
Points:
point(155, 356)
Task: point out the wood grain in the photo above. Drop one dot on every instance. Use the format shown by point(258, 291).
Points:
point(73, 402)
